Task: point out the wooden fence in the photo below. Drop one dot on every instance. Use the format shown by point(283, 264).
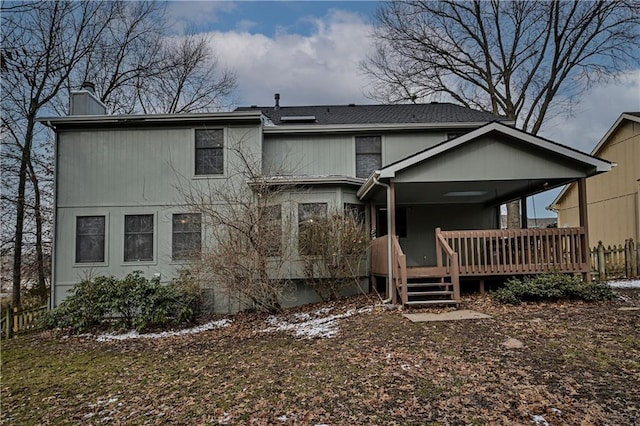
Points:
point(622, 261)
point(15, 321)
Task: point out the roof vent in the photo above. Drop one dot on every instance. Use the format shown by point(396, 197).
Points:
point(298, 119)
point(254, 106)
point(277, 98)
point(352, 105)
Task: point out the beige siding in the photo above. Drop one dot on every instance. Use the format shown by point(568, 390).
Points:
point(613, 197)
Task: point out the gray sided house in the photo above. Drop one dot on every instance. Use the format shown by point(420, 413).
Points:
point(433, 176)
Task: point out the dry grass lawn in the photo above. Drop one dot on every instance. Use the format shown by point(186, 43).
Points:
point(580, 364)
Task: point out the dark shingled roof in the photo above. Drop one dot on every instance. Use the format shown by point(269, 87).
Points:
point(375, 114)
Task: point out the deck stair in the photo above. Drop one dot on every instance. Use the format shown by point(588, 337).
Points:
point(428, 286)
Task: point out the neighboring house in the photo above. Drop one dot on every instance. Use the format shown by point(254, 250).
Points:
point(613, 198)
point(413, 168)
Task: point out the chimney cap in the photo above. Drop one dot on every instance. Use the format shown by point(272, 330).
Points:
point(88, 86)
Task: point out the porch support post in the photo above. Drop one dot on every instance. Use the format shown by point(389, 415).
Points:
point(373, 225)
point(584, 223)
point(392, 209)
point(391, 214)
point(524, 219)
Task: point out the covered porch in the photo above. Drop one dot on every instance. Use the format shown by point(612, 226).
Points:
point(442, 207)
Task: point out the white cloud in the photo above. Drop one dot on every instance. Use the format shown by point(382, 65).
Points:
point(196, 14)
point(321, 68)
point(595, 113)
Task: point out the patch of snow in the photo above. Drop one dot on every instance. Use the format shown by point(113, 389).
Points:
point(301, 316)
point(556, 410)
point(282, 418)
point(324, 327)
point(539, 420)
point(193, 330)
point(625, 284)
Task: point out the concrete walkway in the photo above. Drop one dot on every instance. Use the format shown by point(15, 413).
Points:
point(446, 316)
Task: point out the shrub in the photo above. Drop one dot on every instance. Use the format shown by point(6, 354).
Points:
point(554, 286)
point(334, 249)
point(133, 302)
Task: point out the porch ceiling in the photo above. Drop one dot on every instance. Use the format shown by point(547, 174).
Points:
point(477, 192)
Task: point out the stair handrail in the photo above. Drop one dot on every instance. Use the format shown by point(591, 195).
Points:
point(400, 270)
point(452, 262)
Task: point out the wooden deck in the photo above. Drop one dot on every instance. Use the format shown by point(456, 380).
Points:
point(484, 254)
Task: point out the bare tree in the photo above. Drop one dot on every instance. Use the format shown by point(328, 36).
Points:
point(50, 48)
point(524, 60)
point(42, 43)
point(248, 252)
point(334, 249)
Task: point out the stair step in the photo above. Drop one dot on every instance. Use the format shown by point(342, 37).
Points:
point(432, 302)
point(430, 293)
point(434, 284)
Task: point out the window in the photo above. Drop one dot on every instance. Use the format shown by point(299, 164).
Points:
point(90, 239)
point(401, 222)
point(308, 215)
point(186, 241)
point(357, 211)
point(138, 237)
point(209, 152)
point(368, 155)
point(271, 230)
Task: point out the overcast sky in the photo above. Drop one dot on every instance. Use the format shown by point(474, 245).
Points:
point(309, 53)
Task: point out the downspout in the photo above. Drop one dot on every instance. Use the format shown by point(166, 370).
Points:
point(389, 243)
point(52, 280)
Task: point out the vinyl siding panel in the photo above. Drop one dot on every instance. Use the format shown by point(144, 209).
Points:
point(489, 159)
point(612, 197)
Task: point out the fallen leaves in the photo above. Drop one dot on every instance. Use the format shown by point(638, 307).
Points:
point(580, 363)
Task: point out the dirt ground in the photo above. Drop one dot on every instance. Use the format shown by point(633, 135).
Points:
point(579, 364)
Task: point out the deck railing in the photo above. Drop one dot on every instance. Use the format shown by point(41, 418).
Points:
point(380, 266)
point(449, 259)
point(518, 251)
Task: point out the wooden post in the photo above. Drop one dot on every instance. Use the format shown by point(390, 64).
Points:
point(455, 276)
point(482, 288)
point(392, 208)
point(584, 223)
point(524, 220)
point(600, 263)
point(15, 319)
point(631, 259)
point(373, 225)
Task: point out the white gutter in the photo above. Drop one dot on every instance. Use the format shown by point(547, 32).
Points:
point(389, 246)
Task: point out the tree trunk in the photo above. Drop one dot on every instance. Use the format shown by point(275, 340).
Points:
point(19, 230)
point(513, 215)
point(41, 288)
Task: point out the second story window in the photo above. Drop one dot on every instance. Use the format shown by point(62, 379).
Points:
point(209, 151)
point(368, 155)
